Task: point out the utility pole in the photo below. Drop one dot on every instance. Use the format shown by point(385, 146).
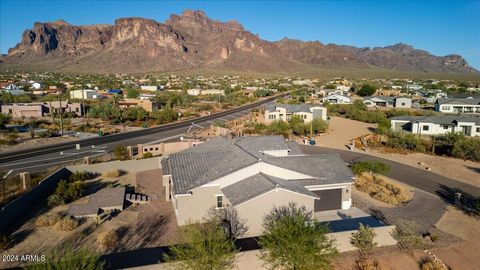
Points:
point(84, 111)
point(61, 115)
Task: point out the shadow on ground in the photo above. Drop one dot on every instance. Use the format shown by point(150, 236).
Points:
point(462, 200)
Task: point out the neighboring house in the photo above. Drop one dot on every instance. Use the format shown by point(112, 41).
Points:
point(37, 110)
point(337, 99)
point(149, 87)
point(27, 110)
point(148, 105)
point(194, 92)
point(253, 174)
point(13, 89)
point(431, 95)
point(284, 112)
point(41, 92)
point(389, 102)
point(414, 87)
point(212, 92)
point(36, 85)
point(457, 105)
point(146, 96)
point(437, 125)
point(318, 93)
point(84, 94)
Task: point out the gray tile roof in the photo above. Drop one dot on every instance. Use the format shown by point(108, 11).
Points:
point(216, 158)
point(258, 184)
point(325, 168)
point(255, 145)
point(190, 170)
point(104, 198)
point(460, 101)
point(439, 119)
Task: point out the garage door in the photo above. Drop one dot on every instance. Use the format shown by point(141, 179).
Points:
point(330, 199)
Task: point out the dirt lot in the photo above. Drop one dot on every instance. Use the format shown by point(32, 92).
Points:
point(139, 226)
point(342, 130)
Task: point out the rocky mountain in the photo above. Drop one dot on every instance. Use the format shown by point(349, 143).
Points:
point(194, 41)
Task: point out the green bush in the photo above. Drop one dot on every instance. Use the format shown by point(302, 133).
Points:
point(81, 176)
point(120, 152)
point(370, 166)
point(147, 155)
point(54, 200)
point(366, 90)
point(407, 141)
point(467, 148)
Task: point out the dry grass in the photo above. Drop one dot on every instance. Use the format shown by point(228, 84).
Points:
point(47, 220)
point(431, 264)
point(67, 224)
point(380, 189)
point(111, 174)
point(109, 239)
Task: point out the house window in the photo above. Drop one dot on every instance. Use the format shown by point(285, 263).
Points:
point(425, 128)
point(478, 129)
point(403, 103)
point(219, 201)
point(446, 108)
point(445, 126)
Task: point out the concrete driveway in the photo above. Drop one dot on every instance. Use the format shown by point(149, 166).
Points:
point(424, 209)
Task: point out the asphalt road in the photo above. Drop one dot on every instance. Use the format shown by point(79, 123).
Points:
point(40, 158)
point(422, 179)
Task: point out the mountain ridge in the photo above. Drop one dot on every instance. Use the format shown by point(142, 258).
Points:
point(192, 40)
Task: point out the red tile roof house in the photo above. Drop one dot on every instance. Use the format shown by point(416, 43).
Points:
point(253, 174)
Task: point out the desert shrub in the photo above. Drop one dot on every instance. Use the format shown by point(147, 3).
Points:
point(428, 263)
point(5, 242)
point(370, 166)
point(81, 176)
point(47, 220)
point(109, 239)
point(467, 148)
point(407, 141)
point(67, 224)
point(55, 200)
point(366, 90)
point(66, 258)
point(405, 233)
point(120, 152)
point(74, 191)
point(379, 189)
point(147, 155)
point(111, 174)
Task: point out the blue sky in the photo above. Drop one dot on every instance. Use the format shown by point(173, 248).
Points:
point(441, 27)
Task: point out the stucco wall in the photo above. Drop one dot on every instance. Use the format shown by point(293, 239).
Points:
point(255, 210)
point(194, 207)
point(17, 211)
point(131, 166)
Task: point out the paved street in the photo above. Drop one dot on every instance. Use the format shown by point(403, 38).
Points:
point(422, 179)
point(59, 154)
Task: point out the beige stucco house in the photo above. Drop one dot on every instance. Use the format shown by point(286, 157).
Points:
point(253, 174)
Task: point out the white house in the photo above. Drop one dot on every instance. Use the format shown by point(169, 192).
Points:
point(149, 88)
point(337, 99)
point(457, 105)
point(84, 94)
point(36, 85)
point(284, 112)
point(437, 125)
point(194, 92)
point(389, 102)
